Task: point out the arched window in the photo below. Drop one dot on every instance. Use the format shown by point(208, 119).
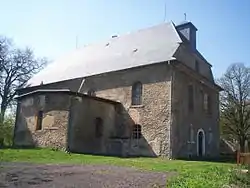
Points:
point(91, 92)
point(201, 150)
point(137, 131)
point(98, 127)
point(137, 93)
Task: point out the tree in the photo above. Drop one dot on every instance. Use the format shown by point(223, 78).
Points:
point(235, 103)
point(17, 66)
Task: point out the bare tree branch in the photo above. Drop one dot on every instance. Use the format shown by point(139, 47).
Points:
point(235, 102)
point(17, 66)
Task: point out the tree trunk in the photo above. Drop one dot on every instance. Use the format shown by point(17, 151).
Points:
point(2, 114)
point(242, 145)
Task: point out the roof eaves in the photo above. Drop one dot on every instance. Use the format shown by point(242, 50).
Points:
point(42, 90)
point(96, 98)
point(69, 92)
point(202, 57)
point(187, 23)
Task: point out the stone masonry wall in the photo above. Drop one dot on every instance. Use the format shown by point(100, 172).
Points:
point(82, 127)
point(154, 113)
point(183, 118)
point(55, 109)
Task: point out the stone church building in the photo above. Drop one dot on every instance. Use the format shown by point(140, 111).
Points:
point(145, 93)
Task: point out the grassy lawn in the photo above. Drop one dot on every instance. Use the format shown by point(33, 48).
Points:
point(189, 173)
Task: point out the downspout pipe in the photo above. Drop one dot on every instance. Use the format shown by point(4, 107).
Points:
point(171, 110)
point(82, 82)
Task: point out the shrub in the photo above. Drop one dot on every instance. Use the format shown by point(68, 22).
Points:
point(241, 178)
point(7, 130)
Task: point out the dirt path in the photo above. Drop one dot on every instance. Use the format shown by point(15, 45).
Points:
point(62, 176)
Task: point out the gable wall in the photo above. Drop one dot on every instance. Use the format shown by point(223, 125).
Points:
point(183, 117)
point(186, 56)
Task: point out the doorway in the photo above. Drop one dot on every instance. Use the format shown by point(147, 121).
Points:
point(201, 143)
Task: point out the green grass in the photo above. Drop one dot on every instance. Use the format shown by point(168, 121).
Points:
point(189, 174)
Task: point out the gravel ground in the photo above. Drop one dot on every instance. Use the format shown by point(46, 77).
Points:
point(62, 176)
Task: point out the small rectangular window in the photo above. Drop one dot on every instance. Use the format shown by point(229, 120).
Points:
point(207, 103)
point(137, 131)
point(98, 127)
point(197, 66)
point(39, 120)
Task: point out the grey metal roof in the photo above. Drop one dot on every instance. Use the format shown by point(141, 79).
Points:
point(143, 47)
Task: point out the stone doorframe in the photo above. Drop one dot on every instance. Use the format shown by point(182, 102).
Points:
point(203, 142)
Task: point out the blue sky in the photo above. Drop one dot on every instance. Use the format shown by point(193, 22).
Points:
point(50, 27)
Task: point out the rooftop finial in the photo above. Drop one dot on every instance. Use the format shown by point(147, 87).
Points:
point(185, 17)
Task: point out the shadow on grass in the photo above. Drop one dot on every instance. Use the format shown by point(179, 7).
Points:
point(220, 159)
point(58, 151)
point(107, 155)
point(193, 159)
point(21, 147)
